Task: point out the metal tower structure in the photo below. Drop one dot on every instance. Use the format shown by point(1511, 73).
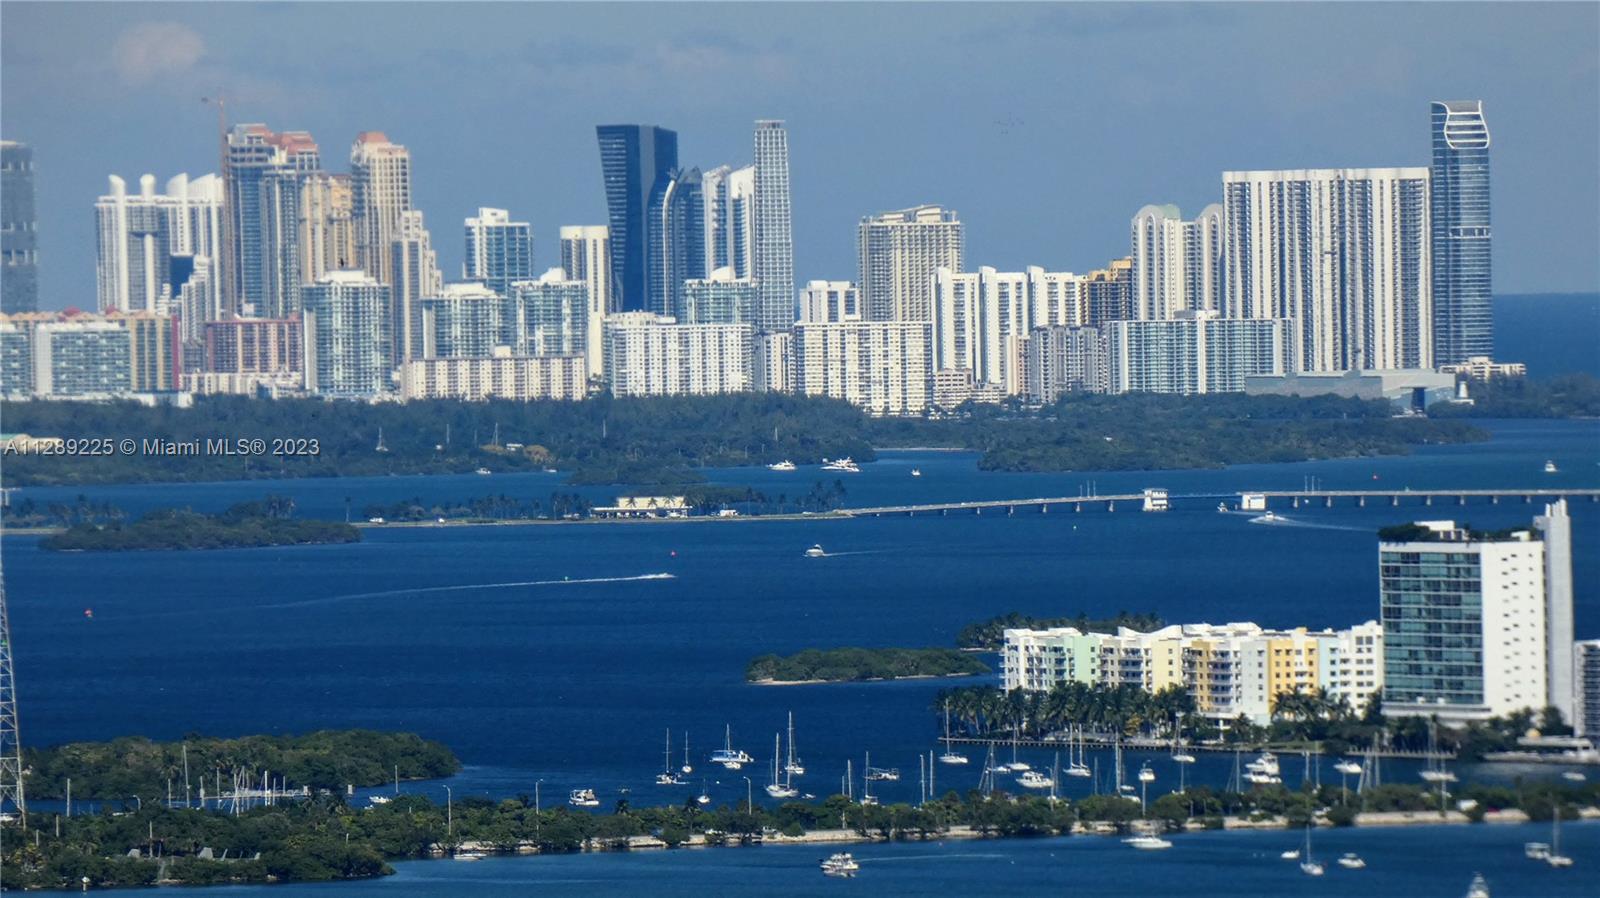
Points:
point(11, 791)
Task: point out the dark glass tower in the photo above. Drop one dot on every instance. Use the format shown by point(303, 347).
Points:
point(19, 275)
point(1463, 315)
point(677, 248)
point(636, 161)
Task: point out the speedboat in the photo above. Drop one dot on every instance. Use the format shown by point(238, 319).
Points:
point(916, 472)
point(1550, 467)
point(1222, 507)
point(785, 465)
point(1352, 861)
point(1292, 854)
point(583, 798)
point(1147, 843)
point(1033, 779)
point(841, 864)
point(815, 552)
point(1479, 888)
point(1268, 518)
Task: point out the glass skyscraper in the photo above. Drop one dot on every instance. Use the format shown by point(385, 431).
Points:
point(774, 256)
point(19, 277)
point(635, 161)
point(499, 250)
point(1463, 319)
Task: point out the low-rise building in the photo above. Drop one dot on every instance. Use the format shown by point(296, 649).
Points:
point(499, 376)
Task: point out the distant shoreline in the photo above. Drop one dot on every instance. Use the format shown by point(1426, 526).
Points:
point(862, 680)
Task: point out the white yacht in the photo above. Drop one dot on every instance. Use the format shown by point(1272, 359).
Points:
point(379, 799)
point(1535, 851)
point(1292, 854)
point(841, 464)
point(1147, 843)
point(785, 465)
point(1263, 770)
point(1550, 467)
point(1033, 779)
point(842, 864)
point(885, 774)
point(815, 552)
point(1348, 767)
point(916, 472)
point(583, 798)
point(483, 471)
point(1146, 775)
point(1573, 776)
point(1479, 888)
point(728, 756)
point(469, 855)
point(1352, 861)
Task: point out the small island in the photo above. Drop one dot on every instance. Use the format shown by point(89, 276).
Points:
point(247, 525)
point(989, 635)
point(847, 665)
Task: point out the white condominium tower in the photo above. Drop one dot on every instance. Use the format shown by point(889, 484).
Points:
point(586, 256)
point(499, 250)
point(653, 355)
point(981, 318)
point(346, 335)
point(830, 302)
point(380, 186)
point(898, 253)
point(774, 229)
point(730, 219)
point(883, 367)
point(151, 247)
point(1177, 264)
point(414, 276)
point(1342, 253)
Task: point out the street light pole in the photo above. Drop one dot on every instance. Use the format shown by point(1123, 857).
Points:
point(449, 812)
point(749, 793)
point(536, 820)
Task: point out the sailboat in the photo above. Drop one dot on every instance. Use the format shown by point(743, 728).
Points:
point(1077, 766)
point(687, 767)
point(1555, 858)
point(703, 798)
point(666, 777)
point(1308, 866)
point(727, 756)
point(793, 766)
point(1016, 766)
point(1179, 755)
point(950, 756)
point(867, 797)
point(775, 788)
point(380, 447)
point(1435, 772)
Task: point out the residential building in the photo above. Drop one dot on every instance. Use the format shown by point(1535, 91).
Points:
point(414, 274)
point(380, 195)
point(549, 316)
point(1351, 665)
point(347, 338)
point(730, 219)
point(1463, 313)
point(1177, 264)
point(16, 355)
point(676, 251)
point(772, 362)
point(19, 230)
point(134, 249)
point(982, 319)
point(1585, 718)
point(830, 302)
point(1195, 353)
point(262, 274)
point(634, 160)
point(254, 346)
point(463, 321)
point(499, 250)
point(78, 355)
point(884, 367)
point(654, 355)
point(1468, 619)
point(327, 235)
point(774, 229)
point(1058, 360)
point(898, 254)
point(1341, 253)
point(497, 376)
point(1108, 293)
point(1481, 367)
point(720, 299)
point(586, 256)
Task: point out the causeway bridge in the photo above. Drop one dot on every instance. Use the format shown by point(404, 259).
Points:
point(1244, 500)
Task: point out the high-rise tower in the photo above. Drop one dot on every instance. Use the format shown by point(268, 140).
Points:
point(1463, 314)
point(635, 160)
point(380, 192)
point(774, 255)
point(19, 279)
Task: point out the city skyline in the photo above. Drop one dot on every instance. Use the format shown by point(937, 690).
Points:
point(1031, 206)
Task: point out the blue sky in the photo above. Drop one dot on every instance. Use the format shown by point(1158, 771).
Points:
point(1045, 126)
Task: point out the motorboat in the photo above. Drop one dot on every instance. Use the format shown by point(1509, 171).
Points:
point(1222, 507)
point(1263, 770)
point(785, 465)
point(583, 798)
point(842, 864)
point(1550, 467)
point(815, 552)
point(1033, 779)
point(916, 472)
point(1147, 843)
point(1352, 861)
point(1146, 775)
point(953, 757)
point(1348, 767)
point(1268, 518)
point(844, 465)
point(884, 774)
point(379, 799)
point(1292, 854)
point(483, 471)
point(1478, 888)
point(1573, 776)
point(1535, 851)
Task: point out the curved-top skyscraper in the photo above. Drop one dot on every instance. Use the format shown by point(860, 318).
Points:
point(634, 160)
point(1463, 314)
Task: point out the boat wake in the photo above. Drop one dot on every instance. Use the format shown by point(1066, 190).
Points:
point(1279, 520)
point(932, 858)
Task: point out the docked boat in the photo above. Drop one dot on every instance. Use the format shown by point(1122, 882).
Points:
point(583, 798)
point(1550, 467)
point(1078, 766)
point(844, 465)
point(1147, 843)
point(1146, 775)
point(785, 465)
point(815, 552)
point(1348, 767)
point(842, 864)
point(1352, 861)
point(1263, 770)
point(468, 855)
point(1479, 888)
point(950, 756)
point(1033, 779)
point(728, 756)
point(792, 764)
point(379, 799)
point(1435, 772)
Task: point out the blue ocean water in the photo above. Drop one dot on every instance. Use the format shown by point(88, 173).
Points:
point(561, 654)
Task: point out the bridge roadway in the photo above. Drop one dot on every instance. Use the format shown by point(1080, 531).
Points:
point(1295, 498)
